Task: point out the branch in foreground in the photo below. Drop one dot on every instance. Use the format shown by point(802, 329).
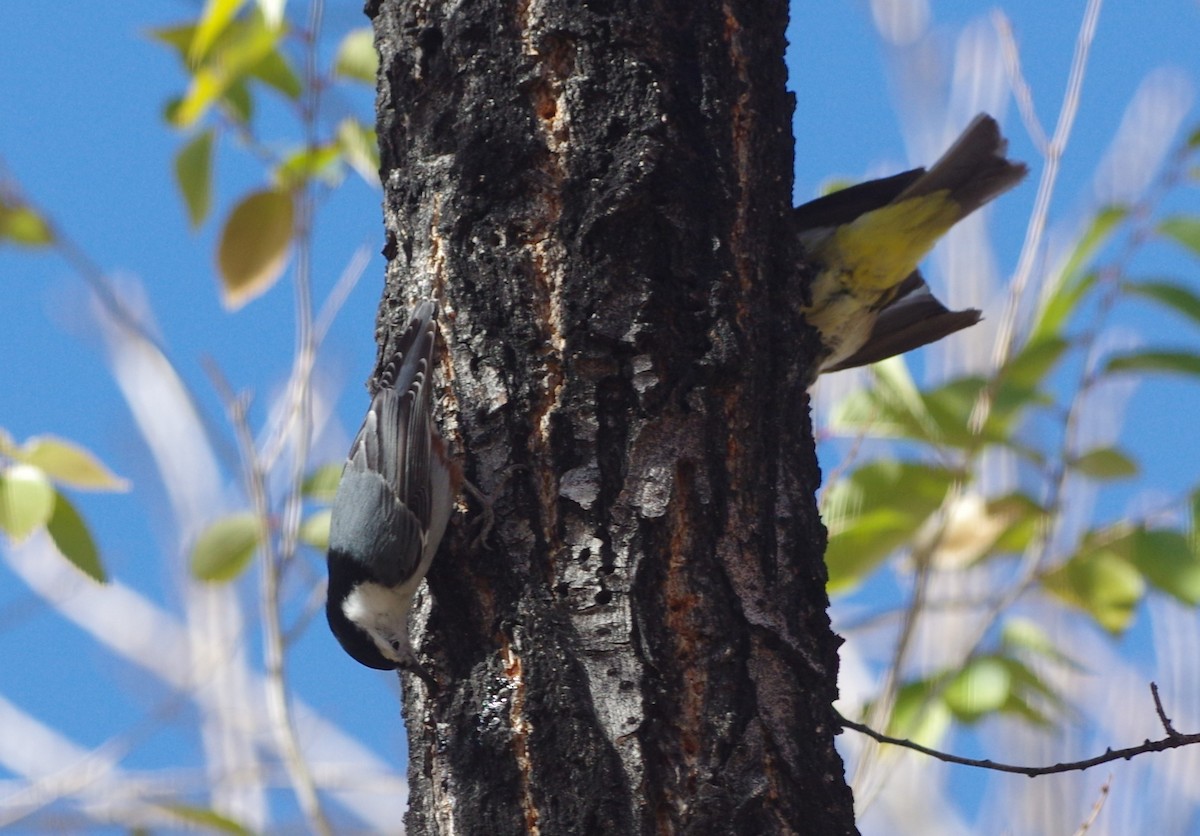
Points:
point(1173, 740)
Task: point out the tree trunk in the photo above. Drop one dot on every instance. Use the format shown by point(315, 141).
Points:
point(597, 192)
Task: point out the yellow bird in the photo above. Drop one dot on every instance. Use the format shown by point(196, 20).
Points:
point(868, 300)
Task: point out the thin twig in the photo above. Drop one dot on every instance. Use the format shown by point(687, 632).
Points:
point(278, 706)
point(274, 651)
point(1162, 714)
point(1032, 249)
point(346, 282)
point(1020, 87)
point(1174, 742)
point(1087, 823)
point(885, 702)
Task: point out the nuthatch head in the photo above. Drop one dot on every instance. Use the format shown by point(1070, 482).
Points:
point(391, 508)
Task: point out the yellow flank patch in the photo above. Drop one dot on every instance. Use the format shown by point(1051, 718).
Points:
point(880, 248)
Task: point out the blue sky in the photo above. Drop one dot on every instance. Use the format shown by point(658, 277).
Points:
point(81, 131)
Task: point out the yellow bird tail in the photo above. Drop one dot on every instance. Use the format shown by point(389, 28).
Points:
point(866, 241)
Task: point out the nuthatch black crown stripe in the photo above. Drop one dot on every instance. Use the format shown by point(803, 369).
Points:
point(391, 508)
point(867, 298)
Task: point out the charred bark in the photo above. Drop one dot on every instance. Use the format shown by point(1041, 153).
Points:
point(598, 193)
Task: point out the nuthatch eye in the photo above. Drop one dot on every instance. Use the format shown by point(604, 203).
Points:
point(391, 508)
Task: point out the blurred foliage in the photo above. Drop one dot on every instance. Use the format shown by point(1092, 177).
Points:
point(930, 510)
point(31, 501)
point(233, 56)
point(22, 225)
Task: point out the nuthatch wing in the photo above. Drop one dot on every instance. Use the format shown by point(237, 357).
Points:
point(397, 490)
point(868, 300)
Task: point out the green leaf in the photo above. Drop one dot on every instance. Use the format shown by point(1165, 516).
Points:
point(1103, 225)
point(315, 529)
point(1029, 367)
point(73, 540)
point(893, 408)
point(322, 483)
point(26, 500)
point(1023, 635)
point(356, 56)
point(1102, 584)
point(1180, 362)
point(1168, 562)
point(1026, 518)
point(1052, 320)
point(982, 687)
point(1027, 685)
point(1073, 282)
point(1105, 463)
point(237, 102)
point(1174, 296)
point(919, 714)
point(214, 20)
point(224, 549)
point(193, 174)
point(70, 464)
point(1195, 499)
point(178, 38)
point(255, 246)
point(22, 225)
point(1183, 230)
point(857, 551)
point(275, 71)
point(172, 111)
point(910, 488)
point(205, 818)
point(206, 87)
point(241, 52)
point(309, 164)
point(360, 147)
point(952, 407)
point(875, 510)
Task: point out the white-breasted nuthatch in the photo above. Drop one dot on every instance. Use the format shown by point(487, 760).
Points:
point(868, 300)
point(394, 499)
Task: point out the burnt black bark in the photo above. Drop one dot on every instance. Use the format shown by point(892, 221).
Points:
point(597, 191)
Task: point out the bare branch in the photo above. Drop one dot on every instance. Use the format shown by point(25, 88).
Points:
point(1173, 740)
point(1162, 715)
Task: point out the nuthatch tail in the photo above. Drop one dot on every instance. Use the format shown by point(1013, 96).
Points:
point(868, 301)
point(397, 490)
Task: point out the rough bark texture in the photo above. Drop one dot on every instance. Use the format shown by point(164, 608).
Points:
point(598, 193)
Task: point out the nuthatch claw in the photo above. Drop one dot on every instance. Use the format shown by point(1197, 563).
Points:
point(417, 669)
point(486, 518)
